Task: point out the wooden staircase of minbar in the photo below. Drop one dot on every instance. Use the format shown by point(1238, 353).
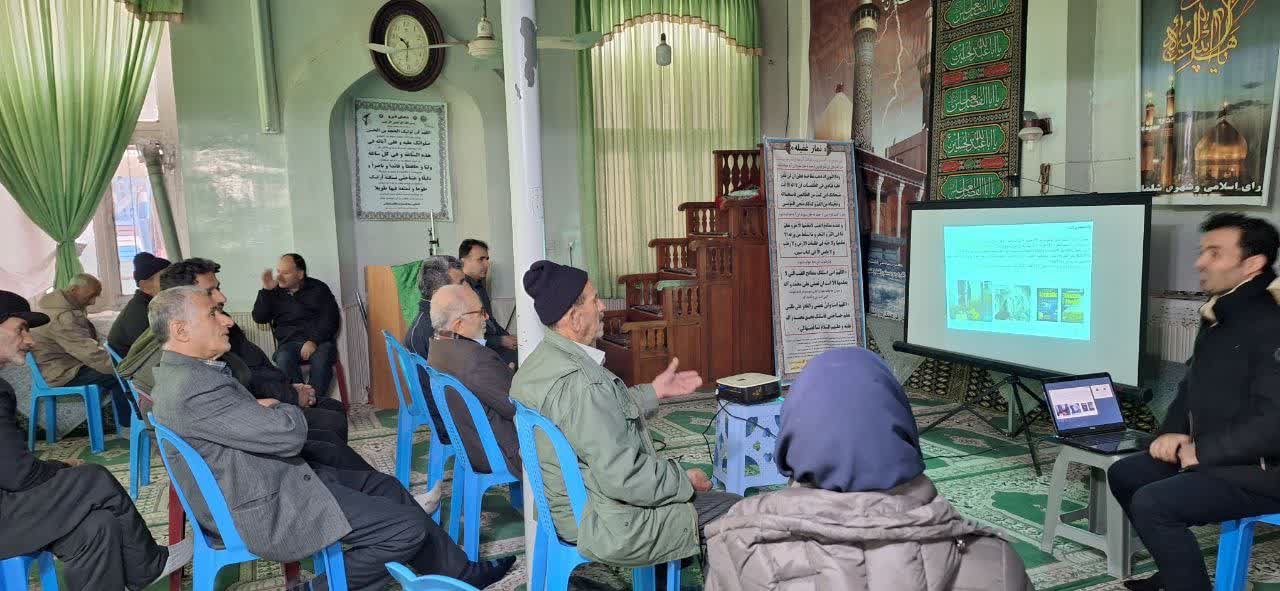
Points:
point(708, 303)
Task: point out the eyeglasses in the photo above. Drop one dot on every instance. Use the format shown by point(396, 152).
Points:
point(480, 311)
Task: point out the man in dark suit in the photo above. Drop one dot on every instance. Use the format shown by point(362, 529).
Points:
point(1217, 457)
point(285, 507)
point(304, 316)
point(77, 511)
point(459, 350)
point(474, 255)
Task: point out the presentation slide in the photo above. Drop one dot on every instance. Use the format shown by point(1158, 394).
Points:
point(1057, 287)
point(1027, 279)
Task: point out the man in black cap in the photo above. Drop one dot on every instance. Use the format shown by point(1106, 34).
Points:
point(641, 509)
point(132, 321)
point(77, 511)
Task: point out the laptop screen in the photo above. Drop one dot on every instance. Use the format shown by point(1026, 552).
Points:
point(1084, 403)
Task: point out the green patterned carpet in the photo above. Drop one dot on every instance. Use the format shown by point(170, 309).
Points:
point(987, 477)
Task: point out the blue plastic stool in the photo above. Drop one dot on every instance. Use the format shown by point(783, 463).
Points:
point(209, 560)
point(411, 582)
point(13, 572)
point(469, 486)
point(139, 432)
point(553, 560)
point(413, 414)
point(41, 390)
point(1234, 545)
point(746, 435)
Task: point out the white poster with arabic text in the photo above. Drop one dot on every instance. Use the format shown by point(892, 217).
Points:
point(402, 161)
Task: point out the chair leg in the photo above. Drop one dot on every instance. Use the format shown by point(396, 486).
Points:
point(516, 495)
point(144, 461)
point(537, 563)
point(32, 419)
point(471, 515)
point(48, 575)
point(404, 447)
point(51, 421)
point(341, 376)
point(292, 572)
point(93, 408)
point(673, 575)
point(204, 572)
point(177, 529)
point(1053, 509)
point(435, 470)
point(557, 577)
point(1234, 544)
point(643, 578)
point(135, 464)
point(456, 501)
point(13, 573)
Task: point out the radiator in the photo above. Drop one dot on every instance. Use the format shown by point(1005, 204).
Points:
point(1172, 322)
point(353, 347)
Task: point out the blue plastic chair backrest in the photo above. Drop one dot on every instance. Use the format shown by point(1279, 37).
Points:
point(37, 378)
point(412, 582)
point(528, 423)
point(205, 482)
point(440, 383)
point(401, 356)
point(128, 388)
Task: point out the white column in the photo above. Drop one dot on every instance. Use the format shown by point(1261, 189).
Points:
point(879, 185)
point(897, 228)
point(524, 156)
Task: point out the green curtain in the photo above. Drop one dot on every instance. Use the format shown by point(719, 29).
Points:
point(72, 84)
point(406, 276)
point(647, 132)
point(736, 20)
point(156, 10)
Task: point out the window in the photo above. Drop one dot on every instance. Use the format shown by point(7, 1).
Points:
point(127, 221)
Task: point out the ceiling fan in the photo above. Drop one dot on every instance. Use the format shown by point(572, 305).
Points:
point(486, 48)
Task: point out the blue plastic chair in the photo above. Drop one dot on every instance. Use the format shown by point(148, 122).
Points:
point(41, 390)
point(553, 560)
point(209, 560)
point(469, 486)
point(1234, 545)
point(413, 414)
point(411, 582)
point(139, 432)
point(13, 572)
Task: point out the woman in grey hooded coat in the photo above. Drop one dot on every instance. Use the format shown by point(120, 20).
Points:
point(860, 513)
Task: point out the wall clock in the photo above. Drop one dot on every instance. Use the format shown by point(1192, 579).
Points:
point(402, 30)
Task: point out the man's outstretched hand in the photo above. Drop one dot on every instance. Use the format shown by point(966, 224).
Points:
point(671, 383)
point(699, 479)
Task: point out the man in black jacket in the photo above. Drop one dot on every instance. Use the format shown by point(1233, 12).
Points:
point(1217, 457)
point(474, 255)
point(304, 316)
point(132, 321)
point(77, 511)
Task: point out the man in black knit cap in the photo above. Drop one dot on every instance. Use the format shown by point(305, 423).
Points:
point(132, 321)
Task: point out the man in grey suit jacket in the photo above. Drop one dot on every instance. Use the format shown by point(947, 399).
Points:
point(284, 508)
point(458, 317)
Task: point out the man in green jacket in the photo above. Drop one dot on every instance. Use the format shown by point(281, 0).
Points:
point(640, 509)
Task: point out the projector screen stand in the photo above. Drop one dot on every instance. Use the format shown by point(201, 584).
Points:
point(1024, 421)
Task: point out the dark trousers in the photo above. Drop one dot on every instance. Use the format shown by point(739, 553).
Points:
point(327, 414)
point(324, 447)
point(288, 357)
point(85, 518)
point(109, 385)
point(1162, 503)
point(712, 505)
point(388, 526)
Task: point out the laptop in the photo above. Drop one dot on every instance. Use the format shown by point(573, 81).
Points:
point(1086, 414)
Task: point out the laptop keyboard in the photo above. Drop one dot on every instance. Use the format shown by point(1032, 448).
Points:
point(1101, 438)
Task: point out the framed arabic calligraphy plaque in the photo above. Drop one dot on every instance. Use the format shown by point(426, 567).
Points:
point(1208, 91)
point(401, 161)
point(977, 97)
point(815, 250)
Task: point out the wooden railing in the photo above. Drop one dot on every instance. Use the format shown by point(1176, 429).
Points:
point(713, 258)
point(641, 290)
point(701, 218)
point(738, 169)
point(744, 219)
point(672, 253)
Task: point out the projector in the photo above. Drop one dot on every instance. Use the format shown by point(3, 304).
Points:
point(749, 388)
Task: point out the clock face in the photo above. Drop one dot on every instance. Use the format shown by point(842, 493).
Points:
point(406, 32)
point(407, 27)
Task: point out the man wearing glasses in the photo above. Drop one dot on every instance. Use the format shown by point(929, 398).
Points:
point(459, 350)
